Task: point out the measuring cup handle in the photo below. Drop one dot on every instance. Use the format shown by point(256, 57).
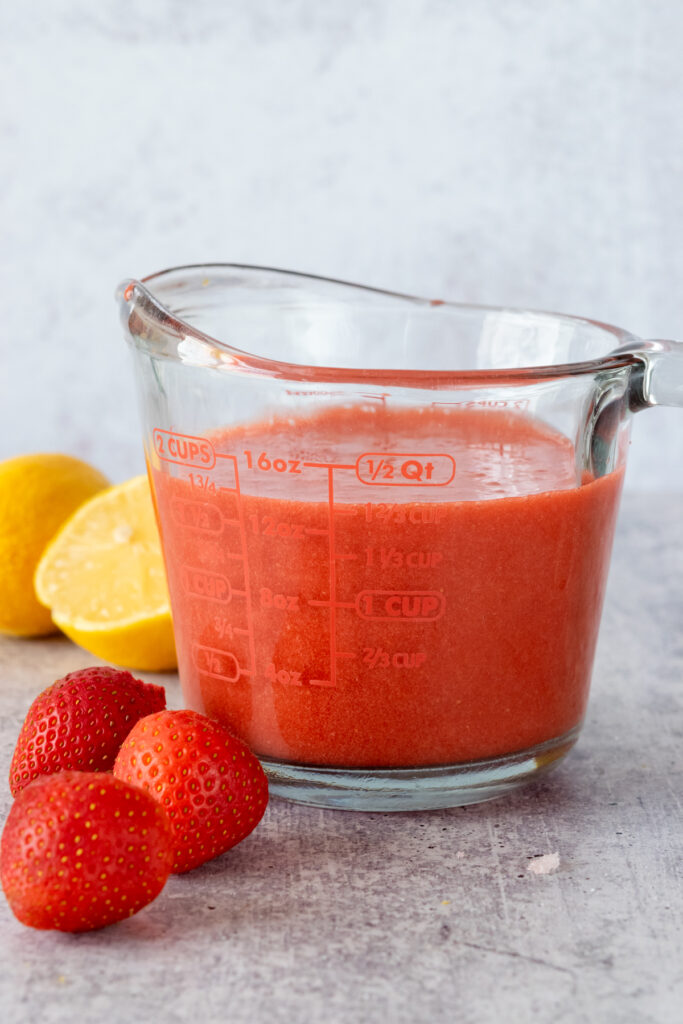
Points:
point(661, 382)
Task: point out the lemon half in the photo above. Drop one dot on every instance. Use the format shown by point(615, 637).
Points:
point(103, 579)
point(37, 494)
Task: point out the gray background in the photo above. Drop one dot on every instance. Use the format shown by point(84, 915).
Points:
point(524, 152)
point(506, 151)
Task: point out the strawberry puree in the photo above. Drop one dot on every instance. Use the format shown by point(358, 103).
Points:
point(370, 588)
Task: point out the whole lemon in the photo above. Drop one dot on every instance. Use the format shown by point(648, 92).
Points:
point(37, 494)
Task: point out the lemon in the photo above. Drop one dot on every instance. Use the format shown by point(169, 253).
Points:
point(37, 493)
point(103, 579)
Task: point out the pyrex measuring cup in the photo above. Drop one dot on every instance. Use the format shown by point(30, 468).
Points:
point(386, 522)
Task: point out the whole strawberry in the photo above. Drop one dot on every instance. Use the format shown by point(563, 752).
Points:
point(210, 784)
point(80, 722)
point(81, 850)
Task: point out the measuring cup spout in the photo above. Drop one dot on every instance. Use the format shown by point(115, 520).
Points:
point(386, 522)
point(149, 324)
point(661, 379)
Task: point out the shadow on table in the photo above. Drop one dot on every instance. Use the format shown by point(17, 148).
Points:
point(281, 876)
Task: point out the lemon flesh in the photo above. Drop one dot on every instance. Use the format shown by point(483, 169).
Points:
point(103, 579)
point(37, 494)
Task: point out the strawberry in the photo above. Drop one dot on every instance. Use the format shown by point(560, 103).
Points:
point(212, 787)
point(80, 722)
point(81, 850)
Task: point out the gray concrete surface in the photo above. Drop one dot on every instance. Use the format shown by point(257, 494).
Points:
point(338, 917)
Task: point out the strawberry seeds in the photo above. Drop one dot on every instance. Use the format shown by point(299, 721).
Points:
point(83, 848)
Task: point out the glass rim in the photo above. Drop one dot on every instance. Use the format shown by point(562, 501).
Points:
point(147, 305)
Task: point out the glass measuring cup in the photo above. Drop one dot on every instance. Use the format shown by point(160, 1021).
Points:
point(386, 522)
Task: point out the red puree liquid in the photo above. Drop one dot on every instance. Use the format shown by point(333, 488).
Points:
point(338, 602)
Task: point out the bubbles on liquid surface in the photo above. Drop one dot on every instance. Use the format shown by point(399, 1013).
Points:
point(496, 454)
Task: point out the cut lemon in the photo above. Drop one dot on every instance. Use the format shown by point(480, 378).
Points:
point(37, 494)
point(103, 579)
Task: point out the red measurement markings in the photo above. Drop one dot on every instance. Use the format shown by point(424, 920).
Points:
point(184, 449)
point(217, 664)
point(210, 585)
point(395, 558)
point(197, 515)
point(405, 469)
point(225, 629)
point(269, 526)
point(337, 604)
point(488, 403)
point(282, 602)
point(285, 676)
point(245, 563)
point(292, 677)
point(214, 484)
point(400, 605)
point(333, 579)
point(202, 483)
point(377, 657)
point(214, 553)
point(270, 463)
point(228, 486)
point(426, 515)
